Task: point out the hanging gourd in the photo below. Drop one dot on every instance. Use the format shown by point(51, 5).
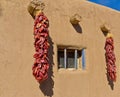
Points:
point(41, 24)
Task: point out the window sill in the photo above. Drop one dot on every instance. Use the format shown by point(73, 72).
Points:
point(71, 70)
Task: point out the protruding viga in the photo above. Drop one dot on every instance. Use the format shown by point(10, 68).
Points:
point(35, 7)
point(105, 27)
point(75, 19)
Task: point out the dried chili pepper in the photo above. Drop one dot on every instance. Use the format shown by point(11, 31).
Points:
point(110, 59)
point(41, 64)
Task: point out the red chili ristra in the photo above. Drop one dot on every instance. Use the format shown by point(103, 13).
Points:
point(41, 44)
point(110, 59)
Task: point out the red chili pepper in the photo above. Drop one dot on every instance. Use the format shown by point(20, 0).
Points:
point(41, 65)
point(110, 59)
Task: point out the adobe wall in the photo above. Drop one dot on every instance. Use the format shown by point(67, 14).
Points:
point(16, 50)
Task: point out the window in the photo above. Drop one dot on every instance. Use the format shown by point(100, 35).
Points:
point(71, 58)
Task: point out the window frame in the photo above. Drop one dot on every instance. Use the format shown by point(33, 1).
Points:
point(77, 63)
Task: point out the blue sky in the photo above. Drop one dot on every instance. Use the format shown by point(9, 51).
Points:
point(114, 4)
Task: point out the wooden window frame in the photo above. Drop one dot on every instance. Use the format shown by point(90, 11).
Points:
point(77, 63)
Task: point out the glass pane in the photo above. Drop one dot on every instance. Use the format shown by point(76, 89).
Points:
point(70, 59)
point(83, 59)
point(79, 60)
point(75, 62)
point(79, 53)
point(61, 59)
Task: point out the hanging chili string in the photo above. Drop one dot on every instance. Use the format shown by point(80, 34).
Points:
point(110, 59)
point(41, 64)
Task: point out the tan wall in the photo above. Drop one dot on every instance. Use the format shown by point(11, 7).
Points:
point(16, 50)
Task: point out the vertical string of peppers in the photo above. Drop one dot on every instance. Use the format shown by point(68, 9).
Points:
point(41, 63)
point(110, 58)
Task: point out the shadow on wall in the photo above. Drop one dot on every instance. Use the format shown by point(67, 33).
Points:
point(110, 82)
point(47, 86)
point(77, 27)
point(0, 10)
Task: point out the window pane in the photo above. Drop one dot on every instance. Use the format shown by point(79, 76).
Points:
point(83, 59)
point(75, 62)
point(70, 59)
point(61, 59)
point(79, 54)
point(79, 60)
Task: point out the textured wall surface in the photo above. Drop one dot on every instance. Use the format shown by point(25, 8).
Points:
point(16, 50)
